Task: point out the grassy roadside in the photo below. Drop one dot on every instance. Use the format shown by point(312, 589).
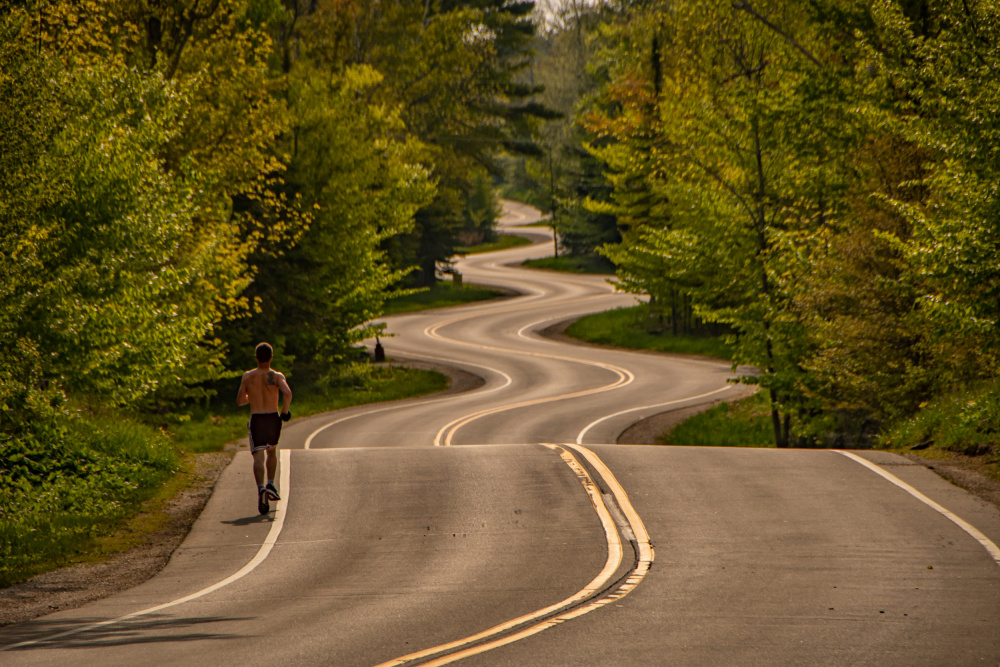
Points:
point(743, 423)
point(961, 429)
point(591, 265)
point(961, 426)
point(72, 480)
point(88, 486)
point(503, 243)
point(627, 327)
point(442, 295)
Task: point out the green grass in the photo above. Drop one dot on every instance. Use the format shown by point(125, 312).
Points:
point(627, 327)
point(440, 296)
point(70, 481)
point(569, 264)
point(356, 385)
point(745, 423)
point(503, 243)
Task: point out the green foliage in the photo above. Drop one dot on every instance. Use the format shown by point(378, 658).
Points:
point(564, 175)
point(938, 77)
point(482, 208)
point(744, 423)
point(638, 329)
point(70, 480)
point(965, 422)
point(503, 242)
point(449, 68)
point(720, 188)
point(110, 276)
point(442, 295)
point(820, 177)
point(361, 186)
point(573, 264)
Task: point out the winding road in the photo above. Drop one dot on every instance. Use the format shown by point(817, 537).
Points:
point(498, 526)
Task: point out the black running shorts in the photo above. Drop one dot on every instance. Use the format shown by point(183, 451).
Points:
point(265, 429)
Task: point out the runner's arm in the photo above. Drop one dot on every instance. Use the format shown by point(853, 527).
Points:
point(242, 397)
point(286, 392)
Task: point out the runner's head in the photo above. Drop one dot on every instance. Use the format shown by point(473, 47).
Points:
point(264, 352)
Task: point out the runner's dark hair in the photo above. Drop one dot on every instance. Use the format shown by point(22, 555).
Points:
point(264, 352)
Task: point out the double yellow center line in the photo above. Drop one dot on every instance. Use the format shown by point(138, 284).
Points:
point(618, 517)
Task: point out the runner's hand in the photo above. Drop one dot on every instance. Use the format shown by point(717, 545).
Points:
point(285, 416)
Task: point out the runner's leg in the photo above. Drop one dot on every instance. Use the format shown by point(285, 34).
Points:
point(258, 465)
point(272, 462)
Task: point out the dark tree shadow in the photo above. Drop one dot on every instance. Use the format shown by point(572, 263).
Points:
point(140, 630)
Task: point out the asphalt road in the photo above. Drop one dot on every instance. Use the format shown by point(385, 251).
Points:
point(447, 529)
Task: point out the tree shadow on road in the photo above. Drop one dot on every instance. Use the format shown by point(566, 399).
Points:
point(147, 629)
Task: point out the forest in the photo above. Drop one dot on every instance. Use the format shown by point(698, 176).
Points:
point(182, 179)
point(818, 180)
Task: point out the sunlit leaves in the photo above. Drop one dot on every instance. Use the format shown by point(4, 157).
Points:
point(361, 184)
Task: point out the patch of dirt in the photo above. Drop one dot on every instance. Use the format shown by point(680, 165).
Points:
point(75, 586)
point(968, 472)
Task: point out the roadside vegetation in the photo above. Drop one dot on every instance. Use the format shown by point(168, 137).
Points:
point(965, 423)
point(744, 423)
point(857, 268)
point(503, 242)
point(72, 480)
point(442, 295)
point(638, 328)
point(573, 264)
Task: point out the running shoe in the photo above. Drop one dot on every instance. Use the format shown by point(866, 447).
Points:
point(263, 506)
point(272, 493)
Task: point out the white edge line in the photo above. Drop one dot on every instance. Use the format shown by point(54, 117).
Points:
point(987, 543)
point(579, 438)
point(610, 566)
point(262, 553)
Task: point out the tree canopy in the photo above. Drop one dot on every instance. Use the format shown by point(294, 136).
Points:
point(820, 177)
point(180, 180)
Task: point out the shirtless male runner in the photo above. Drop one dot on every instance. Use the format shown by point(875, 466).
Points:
point(260, 389)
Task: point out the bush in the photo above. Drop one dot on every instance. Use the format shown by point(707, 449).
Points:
point(745, 423)
point(965, 422)
point(69, 480)
point(631, 328)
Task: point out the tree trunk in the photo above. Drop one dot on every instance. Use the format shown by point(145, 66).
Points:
point(780, 435)
point(673, 312)
point(428, 268)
